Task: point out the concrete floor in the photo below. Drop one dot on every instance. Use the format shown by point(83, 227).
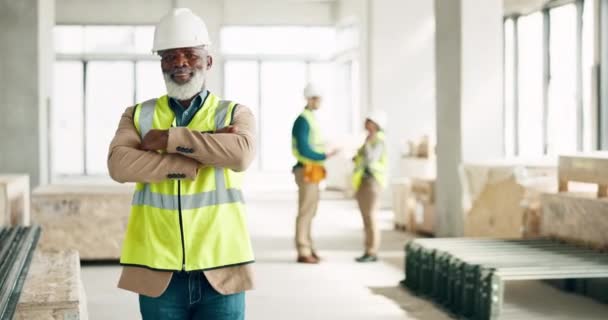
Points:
point(336, 289)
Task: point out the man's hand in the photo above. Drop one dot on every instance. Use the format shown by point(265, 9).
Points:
point(155, 140)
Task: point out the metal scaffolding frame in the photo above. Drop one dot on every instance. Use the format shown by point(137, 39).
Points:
point(467, 276)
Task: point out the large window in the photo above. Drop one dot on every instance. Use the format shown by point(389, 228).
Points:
point(281, 91)
point(562, 111)
point(589, 90)
point(509, 88)
point(67, 119)
point(241, 83)
point(548, 88)
point(530, 111)
point(268, 72)
point(99, 71)
point(283, 41)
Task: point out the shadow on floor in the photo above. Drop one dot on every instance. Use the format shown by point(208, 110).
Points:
point(415, 307)
point(100, 263)
point(396, 262)
point(345, 241)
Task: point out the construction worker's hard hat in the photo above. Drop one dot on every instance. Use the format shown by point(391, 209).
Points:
point(378, 117)
point(312, 90)
point(181, 28)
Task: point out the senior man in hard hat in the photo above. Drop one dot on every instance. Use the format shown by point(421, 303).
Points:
point(309, 151)
point(187, 251)
point(369, 178)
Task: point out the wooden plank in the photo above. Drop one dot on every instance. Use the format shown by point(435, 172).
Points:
point(497, 212)
point(575, 218)
point(498, 197)
point(591, 168)
point(53, 289)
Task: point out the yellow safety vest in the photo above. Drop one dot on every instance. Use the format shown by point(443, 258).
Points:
point(315, 139)
point(188, 225)
point(377, 168)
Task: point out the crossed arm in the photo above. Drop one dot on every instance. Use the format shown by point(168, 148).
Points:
point(187, 150)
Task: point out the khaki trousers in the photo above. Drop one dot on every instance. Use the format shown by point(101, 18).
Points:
point(368, 198)
point(308, 202)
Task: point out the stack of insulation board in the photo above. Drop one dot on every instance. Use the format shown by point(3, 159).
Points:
point(14, 200)
point(579, 217)
point(53, 289)
point(87, 218)
point(499, 197)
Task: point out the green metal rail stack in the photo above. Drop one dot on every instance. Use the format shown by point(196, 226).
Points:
point(466, 276)
point(17, 245)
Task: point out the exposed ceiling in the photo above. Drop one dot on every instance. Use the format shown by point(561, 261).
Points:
point(510, 6)
point(523, 6)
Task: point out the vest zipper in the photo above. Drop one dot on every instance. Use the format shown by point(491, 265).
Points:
point(181, 224)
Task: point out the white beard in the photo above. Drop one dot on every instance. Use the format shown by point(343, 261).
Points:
point(187, 90)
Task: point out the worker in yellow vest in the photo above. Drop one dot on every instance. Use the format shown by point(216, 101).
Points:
point(186, 251)
point(369, 178)
point(309, 150)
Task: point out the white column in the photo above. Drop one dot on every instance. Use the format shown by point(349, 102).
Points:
point(469, 72)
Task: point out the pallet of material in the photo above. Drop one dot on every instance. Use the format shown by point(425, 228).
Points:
point(53, 289)
point(89, 219)
point(402, 204)
point(496, 197)
point(401, 190)
point(467, 276)
point(423, 168)
point(14, 200)
point(577, 218)
point(423, 215)
point(592, 168)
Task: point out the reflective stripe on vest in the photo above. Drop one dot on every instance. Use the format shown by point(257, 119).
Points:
point(146, 118)
point(197, 224)
point(221, 195)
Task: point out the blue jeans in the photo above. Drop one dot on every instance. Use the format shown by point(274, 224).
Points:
point(191, 297)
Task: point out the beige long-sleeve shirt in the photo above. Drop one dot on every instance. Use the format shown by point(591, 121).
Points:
point(127, 163)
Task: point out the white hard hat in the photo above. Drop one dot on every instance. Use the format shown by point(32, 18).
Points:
point(180, 28)
point(378, 117)
point(312, 90)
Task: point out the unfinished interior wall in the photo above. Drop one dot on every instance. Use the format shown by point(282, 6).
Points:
point(277, 12)
point(482, 80)
point(355, 12)
point(397, 65)
point(403, 70)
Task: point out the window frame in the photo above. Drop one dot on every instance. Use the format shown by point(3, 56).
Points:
point(85, 58)
point(602, 112)
point(579, 99)
point(344, 56)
